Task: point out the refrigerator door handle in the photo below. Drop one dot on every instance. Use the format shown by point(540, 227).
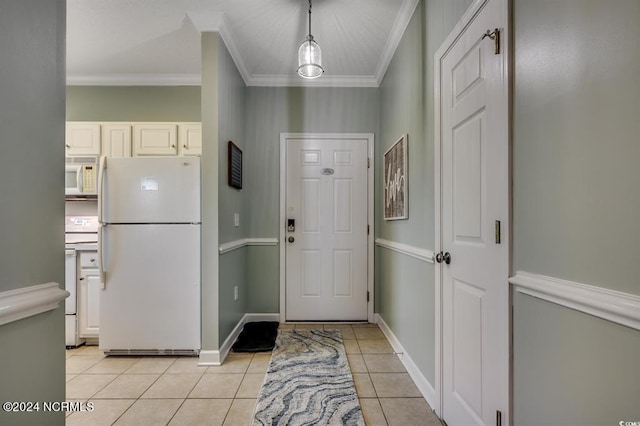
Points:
point(101, 168)
point(101, 271)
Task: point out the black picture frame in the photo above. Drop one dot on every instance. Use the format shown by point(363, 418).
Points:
point(234, 166)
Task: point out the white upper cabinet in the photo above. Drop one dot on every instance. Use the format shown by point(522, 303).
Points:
point(155, 139)
point(116, 140)
point(82, 138)
point(190, 141)
point(128, 139)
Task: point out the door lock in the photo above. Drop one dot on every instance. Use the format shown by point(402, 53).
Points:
point(291, 239)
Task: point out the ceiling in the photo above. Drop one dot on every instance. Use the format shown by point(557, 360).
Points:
point(157, 42)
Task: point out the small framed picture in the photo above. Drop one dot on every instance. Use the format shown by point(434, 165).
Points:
point(235, 166)
point(396, 181)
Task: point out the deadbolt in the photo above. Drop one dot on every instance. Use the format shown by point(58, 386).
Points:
point(291, 239)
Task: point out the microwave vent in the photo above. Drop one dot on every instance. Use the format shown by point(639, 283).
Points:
point(81, 160)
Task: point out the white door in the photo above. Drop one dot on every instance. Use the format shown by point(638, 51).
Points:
point(327, 245)
point(474, 147)
point(151, 296)
point(149, 190)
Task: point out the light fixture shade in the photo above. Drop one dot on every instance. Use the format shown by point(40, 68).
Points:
point(310, 59)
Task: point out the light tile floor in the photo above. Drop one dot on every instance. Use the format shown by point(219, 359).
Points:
point(176, 391)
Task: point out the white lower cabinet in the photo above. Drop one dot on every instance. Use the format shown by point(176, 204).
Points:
point(89, 287)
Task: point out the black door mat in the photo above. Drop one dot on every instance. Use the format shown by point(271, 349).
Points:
point(257, 337)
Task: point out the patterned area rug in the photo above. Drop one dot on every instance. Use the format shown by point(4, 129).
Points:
point(308, 382)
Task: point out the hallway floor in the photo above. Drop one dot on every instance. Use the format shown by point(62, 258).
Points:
point(176, 391)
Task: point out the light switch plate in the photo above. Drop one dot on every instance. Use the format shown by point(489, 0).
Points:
point(236, 220)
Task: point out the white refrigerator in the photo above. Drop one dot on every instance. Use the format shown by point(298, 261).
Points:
point(149, 243)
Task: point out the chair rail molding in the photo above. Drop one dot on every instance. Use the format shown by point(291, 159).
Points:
point(244, 242)
point(417, 252)
point(28, 301)
point(619, 307)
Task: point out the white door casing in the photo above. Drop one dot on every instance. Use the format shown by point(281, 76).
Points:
point(472, 193)
point(326, 261)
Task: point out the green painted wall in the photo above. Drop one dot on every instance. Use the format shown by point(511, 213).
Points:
point(275, 110)
point(231, 127)
point(133, 103)
point(32, 97)
point(575, 205)
point(210, 187)
point(405, 293)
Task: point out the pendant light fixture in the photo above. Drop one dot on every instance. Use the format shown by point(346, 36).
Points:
point(309, 56)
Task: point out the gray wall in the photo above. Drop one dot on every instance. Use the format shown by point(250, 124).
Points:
point(32, 96)
point(405, 294)
point(133, 103)
point(209, 186)
point(231, 127)
point(275, 110)
point(576, 203)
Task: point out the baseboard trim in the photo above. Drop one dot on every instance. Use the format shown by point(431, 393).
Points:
point(616, 306)
point(244, 242)
point(217, 357)
point(28, 301)
point(418, 253)
point(427, 390)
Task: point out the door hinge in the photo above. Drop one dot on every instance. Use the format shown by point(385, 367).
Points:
point(367, 296)
point(498, 418)
point(368, 229)
point(498, 232)
point(368, 163)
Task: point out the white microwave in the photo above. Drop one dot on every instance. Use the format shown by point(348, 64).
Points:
point(80, 176)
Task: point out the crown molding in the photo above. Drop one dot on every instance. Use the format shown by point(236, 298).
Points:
point(395, 36)
point(134, 80)
point(217, 22)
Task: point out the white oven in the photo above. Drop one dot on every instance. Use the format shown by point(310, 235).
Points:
point(80, 176)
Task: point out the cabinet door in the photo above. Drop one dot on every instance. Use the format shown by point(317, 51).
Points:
point(190, 139)
point(82, 138)
point(155, 139)
point(89, 306)
point(116, 139)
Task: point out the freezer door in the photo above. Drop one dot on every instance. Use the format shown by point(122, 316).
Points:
point(151, 298)
point(150, 190)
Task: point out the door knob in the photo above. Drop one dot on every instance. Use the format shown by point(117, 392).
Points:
point(443, 257)
point(291, 239)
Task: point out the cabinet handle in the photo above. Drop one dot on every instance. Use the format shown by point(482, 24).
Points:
point(173, 146)
point(67, 145)
point(92, 260)
point(185, 147)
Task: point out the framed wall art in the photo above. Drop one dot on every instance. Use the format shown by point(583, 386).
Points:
point(396, 179)
point(235, 166)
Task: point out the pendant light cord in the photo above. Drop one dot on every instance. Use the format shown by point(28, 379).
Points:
point(309, 17)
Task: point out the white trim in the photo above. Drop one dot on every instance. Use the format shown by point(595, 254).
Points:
point(621, 308)
point(413, 251)
point(426, 389)
point(243, 242)
point(134, 80)
point(217, 357)
point(370, 208)
point(25, 302)
point(400, 25)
